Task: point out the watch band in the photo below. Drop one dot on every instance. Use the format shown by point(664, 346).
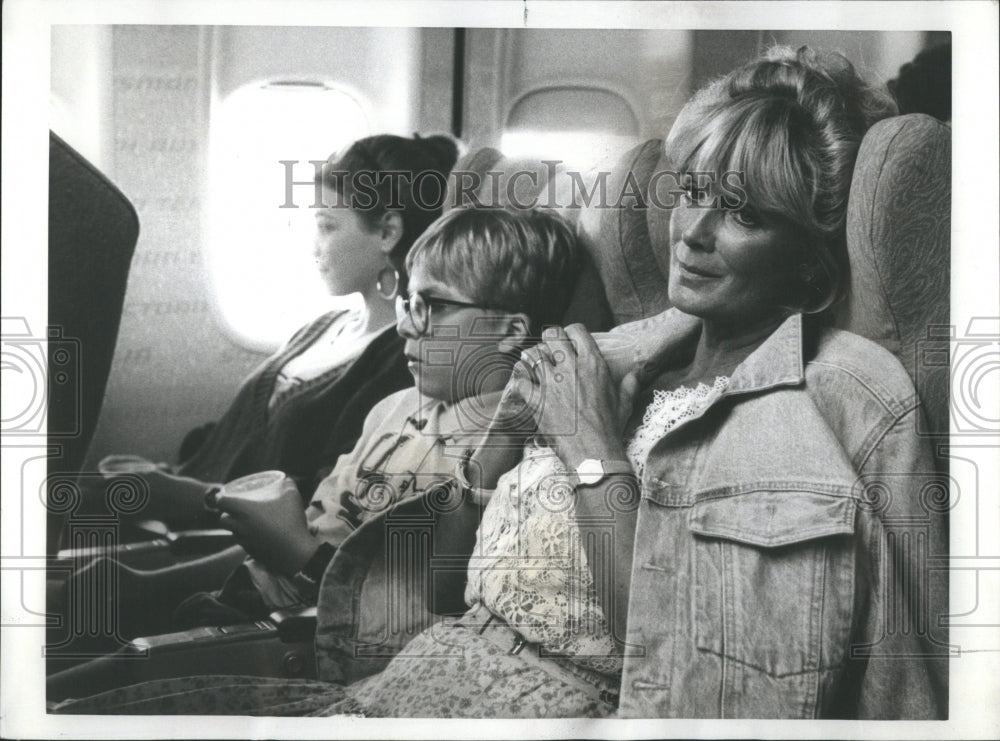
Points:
point(308, 578)
point(476, 494)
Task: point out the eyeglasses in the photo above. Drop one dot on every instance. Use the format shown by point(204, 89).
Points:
point(418, 308)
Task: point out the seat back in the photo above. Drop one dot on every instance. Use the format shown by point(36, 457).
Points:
point(92, 234)
point(622, 234)
point(899, 244)
point(484, 176)
point(93, 230)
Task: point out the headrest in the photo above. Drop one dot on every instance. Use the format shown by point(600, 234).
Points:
point(898, 243)
point(93, 230)
point(485, 176)
point(620, 232)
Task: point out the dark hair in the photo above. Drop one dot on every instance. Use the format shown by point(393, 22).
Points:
point(385, 153)
point(924, 85)
point(791, 122)
point(510, 259)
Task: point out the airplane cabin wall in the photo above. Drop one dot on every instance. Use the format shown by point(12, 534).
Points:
point(172, 366)
point(655, 71)
point(648, 69)
point(176, 366)
point(877, 55)
point(80, 91)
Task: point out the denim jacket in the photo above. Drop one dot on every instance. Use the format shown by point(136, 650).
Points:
point(791, 542)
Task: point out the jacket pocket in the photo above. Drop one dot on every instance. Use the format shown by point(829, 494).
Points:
point(773, 579)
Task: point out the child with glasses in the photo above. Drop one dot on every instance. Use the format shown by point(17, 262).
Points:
point(482, 285)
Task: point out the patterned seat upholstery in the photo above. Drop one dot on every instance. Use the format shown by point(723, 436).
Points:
point(899, 243)
point(620, 235)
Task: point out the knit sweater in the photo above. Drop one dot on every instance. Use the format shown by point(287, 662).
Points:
point(304, 435)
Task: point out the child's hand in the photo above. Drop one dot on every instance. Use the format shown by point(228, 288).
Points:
point(514, 415)
point(273, 531)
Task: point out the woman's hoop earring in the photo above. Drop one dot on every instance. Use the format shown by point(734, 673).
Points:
point(387, 283)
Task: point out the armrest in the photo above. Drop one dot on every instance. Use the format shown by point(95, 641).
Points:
point(147, 554)
point(261, 648)
point(252, 649)
point(295, 625)
point(292, 625)
point(199, 542)
point(156, 552)
point(203, 636)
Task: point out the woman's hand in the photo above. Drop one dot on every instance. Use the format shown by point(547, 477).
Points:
point(578, 408)
point(582, 414)
point(514, 415)
point(500, 447)
point(274, 530)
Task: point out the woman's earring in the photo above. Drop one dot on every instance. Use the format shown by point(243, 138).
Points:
point(387, 283)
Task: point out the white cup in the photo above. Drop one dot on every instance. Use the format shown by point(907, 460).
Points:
point(113, 465)
point(620, 351)
point(256, 487)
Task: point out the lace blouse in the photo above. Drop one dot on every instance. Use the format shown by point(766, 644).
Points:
point(667, 410)
point(529, 567)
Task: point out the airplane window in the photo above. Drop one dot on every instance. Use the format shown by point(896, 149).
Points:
point(578, 125)
point(260, 255)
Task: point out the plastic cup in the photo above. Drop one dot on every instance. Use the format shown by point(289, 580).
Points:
point(114, 465)
point(256, 487)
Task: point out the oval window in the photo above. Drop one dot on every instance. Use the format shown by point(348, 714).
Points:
point(581, 126)
point(259, 252)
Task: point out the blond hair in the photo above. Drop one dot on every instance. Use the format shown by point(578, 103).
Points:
point(791, 123)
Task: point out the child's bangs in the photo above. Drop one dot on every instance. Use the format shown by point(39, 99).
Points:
point(447, 253)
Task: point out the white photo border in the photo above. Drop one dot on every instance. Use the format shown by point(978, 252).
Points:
point(975, 676)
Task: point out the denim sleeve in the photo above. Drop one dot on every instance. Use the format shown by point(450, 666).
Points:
point(899, 652)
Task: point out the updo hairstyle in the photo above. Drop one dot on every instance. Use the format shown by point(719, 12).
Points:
point(791, 122)
point(387, 153)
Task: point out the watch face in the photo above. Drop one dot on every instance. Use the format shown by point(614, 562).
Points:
point(590, 471)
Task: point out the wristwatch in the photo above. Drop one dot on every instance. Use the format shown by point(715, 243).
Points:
point(594, 470)
point(308, 578)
